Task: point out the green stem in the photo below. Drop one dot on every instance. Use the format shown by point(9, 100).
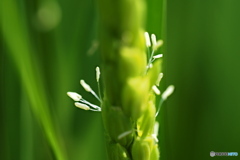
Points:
point(129, 103)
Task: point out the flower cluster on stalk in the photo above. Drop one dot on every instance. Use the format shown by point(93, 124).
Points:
point(152, 45)
point(84, 104)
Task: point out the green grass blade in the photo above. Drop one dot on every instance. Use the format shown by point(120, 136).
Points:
point(16, 37)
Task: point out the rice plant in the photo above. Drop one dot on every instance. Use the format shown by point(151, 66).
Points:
point(42, 43)
point(132, 73)
point(48, 47)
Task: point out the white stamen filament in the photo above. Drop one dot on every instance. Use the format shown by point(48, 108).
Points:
point(124, 134)
point(75, 96)
point(167, 92)
point(90, 104)
point(156, 90)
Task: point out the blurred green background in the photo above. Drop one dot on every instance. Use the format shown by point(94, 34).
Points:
point(47, 46)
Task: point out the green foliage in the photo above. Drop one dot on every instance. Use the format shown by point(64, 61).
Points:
point(21, 52)
point(40, 62)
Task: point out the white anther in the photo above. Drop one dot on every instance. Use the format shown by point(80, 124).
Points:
point(159, 79)
point(97, 73)
point(167, 92)
point(155, 131)
point(158, 44)
point(82, 106)
point(85, 86)
point(150, 65)
point(158, 56)
point(156, 90)
point(75, 96)
point(147, 39)
point(154, 40)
